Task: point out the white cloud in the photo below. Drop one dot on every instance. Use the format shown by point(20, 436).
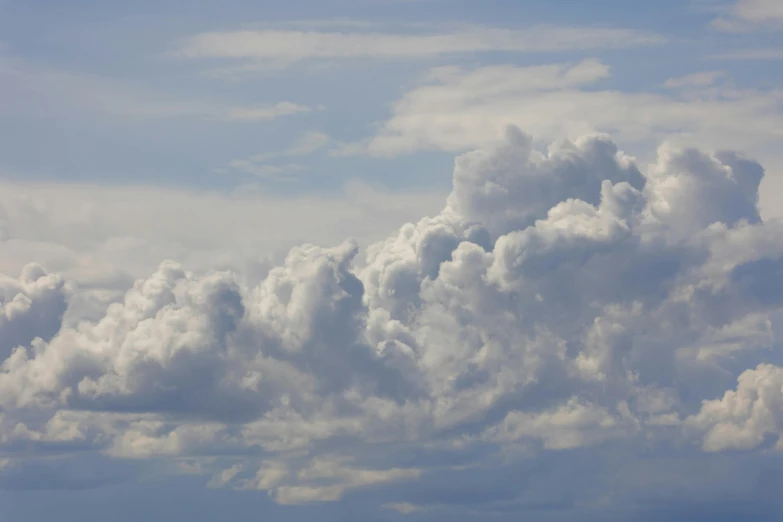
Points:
point(307, 143)
point(224, 477)
point(701, 79)
point(748, 14)
point(457, 108)
point(572, 425)
point(283, 47)
point(31, 305)
point(266, 171)
point(45, 91)
point(742, 418)
point(258, 166)
point(102, 236)
point(324, 479)
point(404, 508)
point(561, 300)
point(267, 113)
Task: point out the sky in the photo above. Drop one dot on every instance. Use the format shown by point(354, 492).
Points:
point(391, 260)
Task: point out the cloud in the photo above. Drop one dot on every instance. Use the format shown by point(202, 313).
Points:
point(744, 417)
point(258, 166)
point(324, 479)
point(749, 14)
point(31, 306)
point(265, 171)
point(267, 113)
point(47, 92)
point(563, 309)
point(458, 108)
point(276, 47)
point(702, 79)
point(102, 238)
point(307, 143)
point(404, 508)
point(455, 108)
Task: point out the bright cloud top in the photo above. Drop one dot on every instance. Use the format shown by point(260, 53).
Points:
point(560, 300)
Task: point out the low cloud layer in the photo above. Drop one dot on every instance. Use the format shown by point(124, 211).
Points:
point(563, 303)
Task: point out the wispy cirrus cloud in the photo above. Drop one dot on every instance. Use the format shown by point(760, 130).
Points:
point(27, 87)
point(700, 79)
point(455, 108)
point(258, 165)
point(283, 47)
point(264, 112)
point(744, 15)
point(307, 143)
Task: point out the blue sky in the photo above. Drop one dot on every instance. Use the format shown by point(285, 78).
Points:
point(96, 96)
point(428, 260)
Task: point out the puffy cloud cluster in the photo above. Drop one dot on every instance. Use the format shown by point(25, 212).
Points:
point(459, 108)
point(745, 417)
point(31, 306)
point(560, 300)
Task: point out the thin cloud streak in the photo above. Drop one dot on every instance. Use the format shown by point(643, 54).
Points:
point(286, 47)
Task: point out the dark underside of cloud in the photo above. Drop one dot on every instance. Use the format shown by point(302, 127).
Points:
point(568, 337)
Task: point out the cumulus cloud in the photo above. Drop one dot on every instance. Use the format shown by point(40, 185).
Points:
point(745, 417)
point(103, 238)
point(31, 306)
point(563, 300)
point(458, 108)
